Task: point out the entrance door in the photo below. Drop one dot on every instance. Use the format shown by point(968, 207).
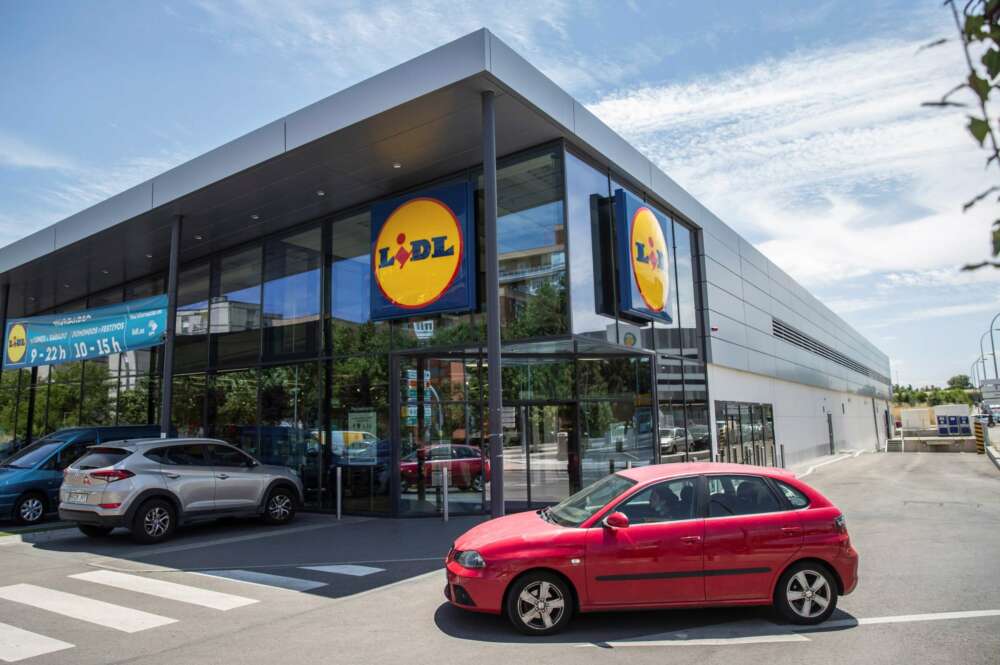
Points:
point(540, 456)
point(829, 425)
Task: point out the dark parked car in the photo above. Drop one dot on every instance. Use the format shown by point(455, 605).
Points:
point(30, 478)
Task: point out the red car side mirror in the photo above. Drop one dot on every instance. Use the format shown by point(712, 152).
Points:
point(616, 521)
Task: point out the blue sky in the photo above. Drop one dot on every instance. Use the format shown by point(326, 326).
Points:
point(798, 123)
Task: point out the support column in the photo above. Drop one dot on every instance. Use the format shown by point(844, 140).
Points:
point(495, 400)
point(167, 388)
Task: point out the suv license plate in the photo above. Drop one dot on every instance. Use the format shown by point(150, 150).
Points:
point(78, 497)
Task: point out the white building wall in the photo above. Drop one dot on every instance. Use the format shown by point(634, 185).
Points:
point(800, 413)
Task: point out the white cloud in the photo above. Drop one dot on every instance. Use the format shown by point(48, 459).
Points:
point(17, 153)
point(351, 40)
point(824, 158)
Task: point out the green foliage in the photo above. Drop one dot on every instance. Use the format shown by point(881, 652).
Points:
point(931, 395)
point(978, 28)
point(960, 381)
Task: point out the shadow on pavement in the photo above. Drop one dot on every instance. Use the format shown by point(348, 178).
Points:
point(605, 628)
point(392, 550)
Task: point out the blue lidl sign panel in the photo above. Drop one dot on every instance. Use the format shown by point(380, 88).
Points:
point(92, 333)
point(423, 253)
point(643, 257)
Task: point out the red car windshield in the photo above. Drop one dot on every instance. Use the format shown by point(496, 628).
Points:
point(583, 505)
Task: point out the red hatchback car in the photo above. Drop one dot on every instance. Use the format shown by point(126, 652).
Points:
point(672, 535)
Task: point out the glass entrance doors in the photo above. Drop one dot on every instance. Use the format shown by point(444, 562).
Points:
point(540, 456)
point(746, 433)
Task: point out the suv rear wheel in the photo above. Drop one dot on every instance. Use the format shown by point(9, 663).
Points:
point(280, 506)
point(154, 522)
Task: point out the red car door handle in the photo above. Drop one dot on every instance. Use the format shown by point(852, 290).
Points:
point(792, 530)
point(690, 539)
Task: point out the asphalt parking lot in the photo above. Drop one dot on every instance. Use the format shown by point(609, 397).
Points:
point(927, 527)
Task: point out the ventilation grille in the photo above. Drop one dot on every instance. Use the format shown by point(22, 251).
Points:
point(784, 331)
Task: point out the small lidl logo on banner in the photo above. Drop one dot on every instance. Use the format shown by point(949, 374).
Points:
point(649, 259)
point(17, 343)
point(419, 254)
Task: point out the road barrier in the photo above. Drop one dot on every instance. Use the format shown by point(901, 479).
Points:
point(980, 433)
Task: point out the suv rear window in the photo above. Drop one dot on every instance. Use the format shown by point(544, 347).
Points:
point(98, 458)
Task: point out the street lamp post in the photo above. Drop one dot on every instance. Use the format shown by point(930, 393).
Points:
point(975, 378)
point(993, 346)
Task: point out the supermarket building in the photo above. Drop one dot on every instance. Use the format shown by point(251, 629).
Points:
point(327, 278)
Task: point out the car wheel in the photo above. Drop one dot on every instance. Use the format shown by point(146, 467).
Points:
point(279, 507)
point(29, 509)
point(154, 522)
point(93, 531)
point(806, 593)
point(478, 483)
point(539, 603)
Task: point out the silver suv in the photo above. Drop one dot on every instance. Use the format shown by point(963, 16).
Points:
point(150, 486)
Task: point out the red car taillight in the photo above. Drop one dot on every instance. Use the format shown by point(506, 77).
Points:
point(840, 524)
point(111, 475)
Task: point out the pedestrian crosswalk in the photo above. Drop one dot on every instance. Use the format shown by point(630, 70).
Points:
point(20, 642)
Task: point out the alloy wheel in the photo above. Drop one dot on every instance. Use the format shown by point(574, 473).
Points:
point(540, 605)
point(808, 593)
point(156, 522)
point(31, 509)
point(279, 507)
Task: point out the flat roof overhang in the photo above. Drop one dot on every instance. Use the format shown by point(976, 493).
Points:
point(424, 114)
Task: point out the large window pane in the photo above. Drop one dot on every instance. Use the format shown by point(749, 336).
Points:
point(532, 246)
point(359, 438)
point(614, 436)
point(292, 294)
point(235, 318)
point(232, 409)
point(674, 436)
point(290, 423)
point(591, 296)
point(191, 341)
point(696, 408)
point(689, 342)
point(189, 405)
point(352, 329)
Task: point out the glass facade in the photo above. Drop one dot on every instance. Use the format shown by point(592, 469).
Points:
point(276, 353)
point(746, 434)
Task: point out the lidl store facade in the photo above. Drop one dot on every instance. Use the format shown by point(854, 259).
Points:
point(326, 280)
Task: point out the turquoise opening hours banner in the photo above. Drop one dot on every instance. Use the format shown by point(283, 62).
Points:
point(61, 338)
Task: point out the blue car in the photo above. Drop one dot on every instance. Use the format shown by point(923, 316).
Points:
point(30, 479)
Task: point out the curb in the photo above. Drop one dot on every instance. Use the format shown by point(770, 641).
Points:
point(994, 455)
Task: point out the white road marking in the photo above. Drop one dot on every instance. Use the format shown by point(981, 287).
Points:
point(98, 612)
point(829, 461)
point(17, 644)
point(758, 632)
point(346, 569)
point(266, 579)
point(907, 618)
point(163, 589)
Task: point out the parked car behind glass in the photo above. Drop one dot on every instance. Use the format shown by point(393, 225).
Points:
point(30, 478)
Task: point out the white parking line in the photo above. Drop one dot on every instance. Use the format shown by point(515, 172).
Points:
point(17, 644)
point(758, 632)
point(907, 618)
point(163, 589)
point(98, 612)
point(829, 461)
point(348, 569)
point(266, 579)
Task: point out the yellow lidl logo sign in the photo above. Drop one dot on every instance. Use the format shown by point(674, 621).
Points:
point(643, 259)
point(649, 259)
point(17, 343)
point(419, 254)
